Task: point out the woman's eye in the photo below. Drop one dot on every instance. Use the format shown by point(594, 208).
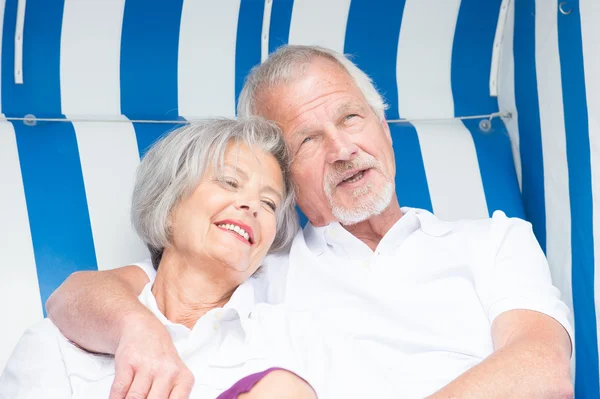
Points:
point(348, 117)
point(232, 183)
point(307, 139)
point(270, 204)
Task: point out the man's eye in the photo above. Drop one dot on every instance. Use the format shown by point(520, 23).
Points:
point(307, 139)
point(348, 117)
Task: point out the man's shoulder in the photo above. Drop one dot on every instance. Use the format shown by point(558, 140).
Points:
point(495, 226)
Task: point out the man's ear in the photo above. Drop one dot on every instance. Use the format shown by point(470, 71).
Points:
point(386, 129)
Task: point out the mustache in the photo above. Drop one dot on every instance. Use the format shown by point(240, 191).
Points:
point(337, 172)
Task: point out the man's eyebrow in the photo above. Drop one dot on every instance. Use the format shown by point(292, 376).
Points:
point(348, 106)
point(341, 110)
point(302, 132)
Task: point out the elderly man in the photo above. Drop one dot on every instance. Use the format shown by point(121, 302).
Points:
point(463, 309)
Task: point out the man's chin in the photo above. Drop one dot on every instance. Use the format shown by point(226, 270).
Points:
point(361, 209)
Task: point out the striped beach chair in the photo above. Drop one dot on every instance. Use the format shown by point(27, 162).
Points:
point(493, 105)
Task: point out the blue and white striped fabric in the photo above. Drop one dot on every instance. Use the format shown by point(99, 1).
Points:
point(552, 87)
point(108, 65)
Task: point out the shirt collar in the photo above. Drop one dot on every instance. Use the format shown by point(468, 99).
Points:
point(317, 238)
point(239, 307)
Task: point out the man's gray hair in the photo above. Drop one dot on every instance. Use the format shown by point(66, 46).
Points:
point(288, 62)
point(174, 166)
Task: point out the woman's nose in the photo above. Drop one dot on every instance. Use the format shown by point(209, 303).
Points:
point(249, 206)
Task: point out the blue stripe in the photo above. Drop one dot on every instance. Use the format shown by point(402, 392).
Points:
point(527, 103)
point(472, 57)
point(372, 36)
point(248, 44)
point(51, 171)
point(411, 182)
point(281, 18)
point(149, 50)
point(56, 202)
point(40, 92)
point(587, 384)
point(146, 134)
point(301, 217)
point(497, 168)
point(471, 65)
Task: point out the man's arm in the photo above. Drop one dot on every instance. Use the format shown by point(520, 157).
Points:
point(531, 360)
point(100, 312)
point(92, 308)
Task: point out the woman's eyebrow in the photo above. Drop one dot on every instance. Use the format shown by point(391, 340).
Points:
point(244, 175)
point(237, 170)
point(271, 190)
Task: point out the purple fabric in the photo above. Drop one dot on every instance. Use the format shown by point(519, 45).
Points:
point(245, 384)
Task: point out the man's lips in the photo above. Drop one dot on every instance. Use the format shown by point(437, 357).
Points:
point(353, 177)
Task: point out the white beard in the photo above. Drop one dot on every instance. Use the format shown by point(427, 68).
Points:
point(367, 204)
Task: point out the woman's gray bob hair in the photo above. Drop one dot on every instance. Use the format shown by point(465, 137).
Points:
point(174, 166)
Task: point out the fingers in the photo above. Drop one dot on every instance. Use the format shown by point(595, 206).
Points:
point(182, 390)
point(141, 386)
point(161, 388)
point(144, 384)
point(123, 379)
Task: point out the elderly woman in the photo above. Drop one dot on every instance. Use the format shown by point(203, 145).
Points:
point(211, 200)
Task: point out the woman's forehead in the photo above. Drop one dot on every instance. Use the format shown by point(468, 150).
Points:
point(252, 162)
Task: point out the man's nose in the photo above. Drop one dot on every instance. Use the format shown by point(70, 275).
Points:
point(339, 144)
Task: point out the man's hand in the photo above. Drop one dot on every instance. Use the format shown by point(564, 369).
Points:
point(147, 364)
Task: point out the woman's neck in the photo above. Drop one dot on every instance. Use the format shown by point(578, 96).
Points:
point(184, 292)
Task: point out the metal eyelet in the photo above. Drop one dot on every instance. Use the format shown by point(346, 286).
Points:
point(563, 11)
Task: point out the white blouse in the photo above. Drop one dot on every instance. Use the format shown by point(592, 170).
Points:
point(224, 346)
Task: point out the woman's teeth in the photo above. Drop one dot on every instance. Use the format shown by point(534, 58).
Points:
point(236, 229)
point(355, 178)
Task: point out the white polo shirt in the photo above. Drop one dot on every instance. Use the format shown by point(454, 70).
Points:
point(423, 302)
point(224, 346)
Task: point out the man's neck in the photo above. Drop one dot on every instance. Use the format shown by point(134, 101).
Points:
point(184, 292)
point(372, 230)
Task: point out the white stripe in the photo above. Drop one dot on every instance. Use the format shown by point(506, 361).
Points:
point(2, 6)
point(90, 54)
point(499, 37)
point(424, 59)
point(266, 28)
point(19, 27)
point(506, 89)
point(109, 157)
point(206, 68)
point(590, 32)
point(556, 174)
point(318, 22)
point(19, 289)
point(452, 170)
